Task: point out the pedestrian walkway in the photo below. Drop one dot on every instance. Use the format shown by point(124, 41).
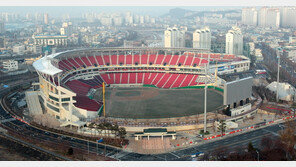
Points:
point(33, 103)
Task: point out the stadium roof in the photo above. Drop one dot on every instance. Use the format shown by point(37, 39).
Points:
point(45, 66)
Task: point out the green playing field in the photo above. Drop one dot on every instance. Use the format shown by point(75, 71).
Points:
point(148, 103)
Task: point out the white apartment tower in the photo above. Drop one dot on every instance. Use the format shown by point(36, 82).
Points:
point(174, 37)
point(202, 38)
point(269, 17)
point(45, 19)
point(234, 41)
point(249, 16)
point(288, 15)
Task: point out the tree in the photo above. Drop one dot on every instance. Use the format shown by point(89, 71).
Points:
point(70, 151)
point(266, 143)
point(121, 132)
point(288, 138)
point(250, 147)
point(220, 153)
point(222, 127)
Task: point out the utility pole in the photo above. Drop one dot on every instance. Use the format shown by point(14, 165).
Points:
point(97, 147)
point(105, 150)
point(278, 74)
point(87, 147)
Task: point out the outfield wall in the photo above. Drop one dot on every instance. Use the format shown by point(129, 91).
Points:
point(191, 87)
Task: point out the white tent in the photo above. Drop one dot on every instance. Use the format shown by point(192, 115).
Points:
point(286, 91)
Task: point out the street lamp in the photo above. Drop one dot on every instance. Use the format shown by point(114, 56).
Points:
point(257, 155)
point(282, 127)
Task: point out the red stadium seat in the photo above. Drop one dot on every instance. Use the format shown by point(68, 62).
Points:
point(92, 60)
point(159, 59)
point(88, 104)
point(144, 59)
point(100, 60)
point(132, 78)
point(85, 61)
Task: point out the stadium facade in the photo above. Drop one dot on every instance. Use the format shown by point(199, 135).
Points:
point(67, 79)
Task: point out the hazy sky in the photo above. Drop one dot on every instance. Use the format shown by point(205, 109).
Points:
point(75, 10)
point(151, 7)
point(147, 2)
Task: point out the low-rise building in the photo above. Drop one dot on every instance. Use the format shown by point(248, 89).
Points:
point(258, 55)
point(10, 65)
point(19, 49)
point(50, 40)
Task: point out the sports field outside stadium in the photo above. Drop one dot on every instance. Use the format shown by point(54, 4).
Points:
point(151, 103)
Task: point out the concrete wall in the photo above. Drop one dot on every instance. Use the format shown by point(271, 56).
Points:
point(169, 128)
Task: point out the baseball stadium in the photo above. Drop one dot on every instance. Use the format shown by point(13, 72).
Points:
point(126, 84)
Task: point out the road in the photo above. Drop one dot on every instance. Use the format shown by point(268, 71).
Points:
point(271, 57)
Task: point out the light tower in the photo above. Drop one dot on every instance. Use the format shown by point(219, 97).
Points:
point(206, 90)
point(278, 73)
point(104, 100)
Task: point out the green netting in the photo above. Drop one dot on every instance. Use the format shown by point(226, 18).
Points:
point(150, 86)
point(201, 87)
point(101, 110)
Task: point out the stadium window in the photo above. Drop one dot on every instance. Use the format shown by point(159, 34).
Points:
point(95, 65)
point(150, 63)
point(65, 99)
point(52, 107)
point(194, 65)
point(179, 64)
point(164, 64)
point(120, 64)
point(136, 63)
point(53, 98)
point(108, 64)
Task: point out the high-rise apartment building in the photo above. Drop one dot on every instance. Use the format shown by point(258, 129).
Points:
point(174, 37)
point(269, 17)
point(249, 16)
point(2, 42)
point(118, 21)
point(45, 18)
point(288, 15)
point(106, 21)
point(202, 38)
point(234, 41)
point(67, 29)
point(2, 28)
point(129, 18)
